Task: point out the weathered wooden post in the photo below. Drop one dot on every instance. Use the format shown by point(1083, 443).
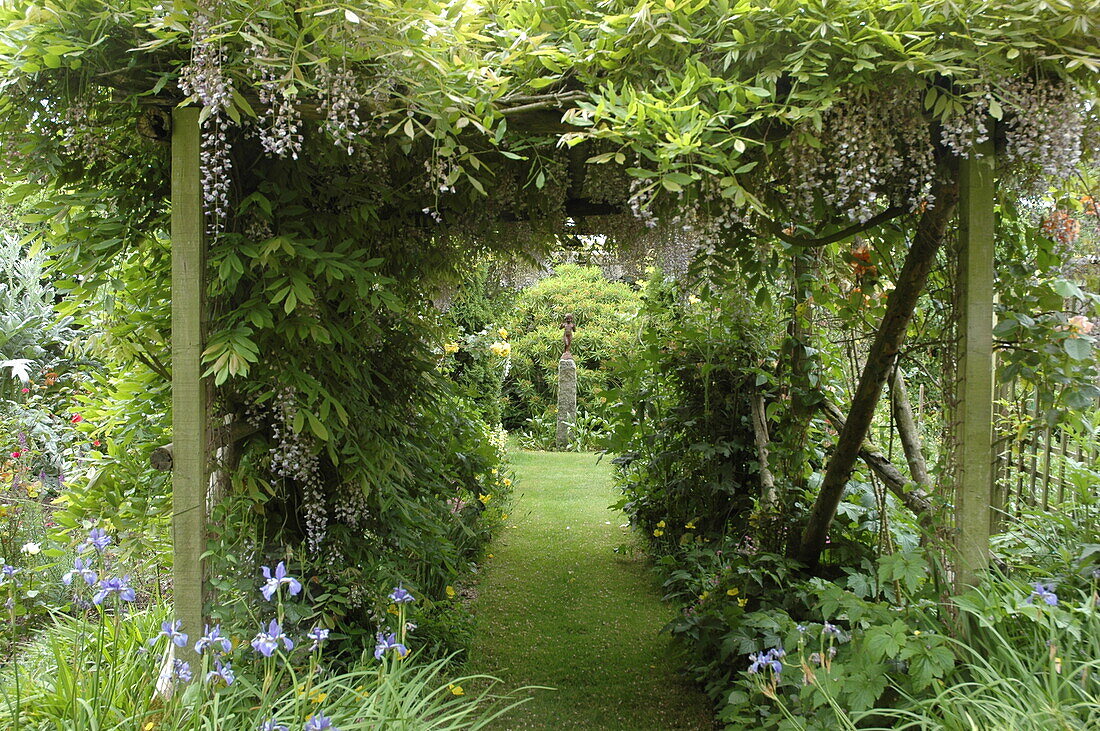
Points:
point(975, 402)
point(189, 399)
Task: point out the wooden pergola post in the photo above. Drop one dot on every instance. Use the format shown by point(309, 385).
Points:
point(975, 393)
point(189, 399)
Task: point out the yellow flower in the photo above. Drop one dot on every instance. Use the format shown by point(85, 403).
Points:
point(485, 498)
point(450, 348)
point(493, 471)
point(693, 300)
point(507, 482)
point(742, 602)
point(318, 697)
point(733, 592)
point(501, 349)
point(690, 525)
point(392, 609)
point(504, 516)
point(450, 592)
point(490, 555)
point(704, 595)
point(456, 689)
point(658, 532)
point(661, 524)
point(503, 334)
point(149, 726)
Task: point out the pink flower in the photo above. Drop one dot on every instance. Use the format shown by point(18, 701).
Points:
point(17, 454)
point(76, 418)
point(26, 390)
point(1081, 324)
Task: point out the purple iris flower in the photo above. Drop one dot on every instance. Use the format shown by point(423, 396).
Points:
point(8, 573)
point(97, 539)
point(267, 642)
point(221, 670)
point(318, 635)
point(83, 570)
point(386, 642)
point(1044, 593)
point(181, 670)
point(213, 639)
point(171, 630)
point(114, 586)
point(272, 725)
point(771, 659)
point(401, 595)
point(320, 722)
point(277, 579)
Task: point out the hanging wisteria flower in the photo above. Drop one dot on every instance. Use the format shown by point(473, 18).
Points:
point(171, 630)
point(277, 579)
point(401, 595)
point(83, 570)
point(1043, 592)
point(320, 722)
point(221, 670)
point(214, 640)
point(97, 539)
point(385, 642)
point(318, 635)
point(267, 642)
point(120, 586)
point(181, 670)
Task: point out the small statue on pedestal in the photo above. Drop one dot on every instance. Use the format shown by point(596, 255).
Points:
point(567, 336)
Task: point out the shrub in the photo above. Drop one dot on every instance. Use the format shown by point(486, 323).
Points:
point(605, 313)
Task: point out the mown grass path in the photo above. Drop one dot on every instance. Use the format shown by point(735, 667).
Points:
point(557, 607)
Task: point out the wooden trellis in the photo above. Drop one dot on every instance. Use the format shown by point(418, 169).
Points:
point(191, 450)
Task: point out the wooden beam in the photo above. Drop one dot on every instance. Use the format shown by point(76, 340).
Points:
point(189, 396)
point(974, 483)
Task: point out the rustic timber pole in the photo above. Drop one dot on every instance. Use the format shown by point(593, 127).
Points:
point(974, 483)
point(189, 394)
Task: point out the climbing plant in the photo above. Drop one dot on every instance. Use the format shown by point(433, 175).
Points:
point(355, 155)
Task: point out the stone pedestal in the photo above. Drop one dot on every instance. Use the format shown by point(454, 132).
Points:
point(567, 399)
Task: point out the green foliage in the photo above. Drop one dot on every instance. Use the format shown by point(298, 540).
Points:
point(681, 421)
point(475, 311)
point(606, 335)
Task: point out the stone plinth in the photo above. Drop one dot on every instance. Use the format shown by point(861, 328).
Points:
point(567, 399)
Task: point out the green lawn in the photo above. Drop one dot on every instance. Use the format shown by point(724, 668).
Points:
point(557, 607)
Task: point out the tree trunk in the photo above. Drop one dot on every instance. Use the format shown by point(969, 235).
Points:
point(891, 333)
point(760, 431)
point(914, 498)
point(907, 430)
